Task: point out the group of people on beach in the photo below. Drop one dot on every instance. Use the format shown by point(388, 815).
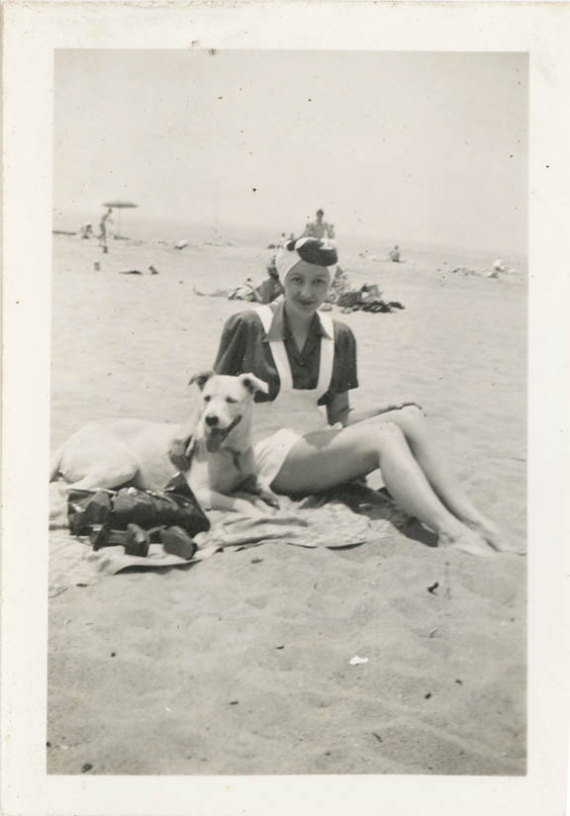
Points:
point(86, 232)
point(312, 440)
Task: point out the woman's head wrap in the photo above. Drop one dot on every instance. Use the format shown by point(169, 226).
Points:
point(311, 250)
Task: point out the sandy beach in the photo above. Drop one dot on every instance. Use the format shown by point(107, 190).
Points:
point(241, 664)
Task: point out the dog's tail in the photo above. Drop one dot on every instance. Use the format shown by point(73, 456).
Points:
point(54, 464)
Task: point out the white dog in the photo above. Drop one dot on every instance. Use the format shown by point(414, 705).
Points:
point(220, 451)
point(115, 452)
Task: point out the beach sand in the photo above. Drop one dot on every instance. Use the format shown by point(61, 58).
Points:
point(241, 664)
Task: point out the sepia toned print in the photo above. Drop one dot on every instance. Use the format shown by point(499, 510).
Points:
point(242, 662)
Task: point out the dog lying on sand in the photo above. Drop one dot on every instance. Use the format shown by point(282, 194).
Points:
point(115, 452)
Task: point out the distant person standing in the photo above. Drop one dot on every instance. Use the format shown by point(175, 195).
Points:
point(319, 228)
point(394, 254)
point(103, 226)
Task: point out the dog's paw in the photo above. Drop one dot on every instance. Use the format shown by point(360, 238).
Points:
point(251, 507)
point(269, 497)
point(260, 491)
point(266, 507)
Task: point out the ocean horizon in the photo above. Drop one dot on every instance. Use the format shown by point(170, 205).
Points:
point(132, 223)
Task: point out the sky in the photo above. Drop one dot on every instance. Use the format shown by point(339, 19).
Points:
point(411, 147)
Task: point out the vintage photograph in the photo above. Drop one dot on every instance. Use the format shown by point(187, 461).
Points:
point(288, 413)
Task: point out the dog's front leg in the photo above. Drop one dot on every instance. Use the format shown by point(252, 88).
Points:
point(252, 482)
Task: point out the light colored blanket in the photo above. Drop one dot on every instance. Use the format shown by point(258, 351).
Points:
point(314, 522)
point(339, 520)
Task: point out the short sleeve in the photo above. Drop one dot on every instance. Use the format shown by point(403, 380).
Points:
point(242, 351)
point(233, 346)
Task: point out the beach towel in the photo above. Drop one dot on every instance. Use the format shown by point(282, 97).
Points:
point(73, 562)
point(347, 517)
point(334, 520)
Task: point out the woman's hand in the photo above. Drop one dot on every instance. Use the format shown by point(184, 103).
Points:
point(340, 414)
point(338, 410)
point(397, 406)
point(362, 416)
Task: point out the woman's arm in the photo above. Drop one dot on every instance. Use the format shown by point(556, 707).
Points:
point(232, 348)
point(339, 410)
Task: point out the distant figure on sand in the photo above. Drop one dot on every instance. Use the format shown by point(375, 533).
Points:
point(103, 226)
point(394, 254)
point(86, 231)
point(339, 285)
point(270, 288)
point(267, 291)
point(245, 291)
point(319, 228)
point(309, 360)
point(280, 242)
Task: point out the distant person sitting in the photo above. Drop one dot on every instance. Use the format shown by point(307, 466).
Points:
point(394, 254)
point(269, 289)
point(339, 284)
point(243, 292)
point(319, 228)
point(86, 231)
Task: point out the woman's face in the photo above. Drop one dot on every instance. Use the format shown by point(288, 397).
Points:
point(306, 287)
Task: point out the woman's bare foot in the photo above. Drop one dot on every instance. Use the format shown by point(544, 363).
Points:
point(467, 541)
point(497, 538)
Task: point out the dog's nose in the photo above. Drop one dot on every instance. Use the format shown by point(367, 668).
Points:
point(211, 420)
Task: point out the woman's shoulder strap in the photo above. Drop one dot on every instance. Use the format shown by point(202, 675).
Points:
point(327, 323)
point(265, 314)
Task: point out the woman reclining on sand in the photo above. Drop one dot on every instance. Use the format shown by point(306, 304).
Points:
point(309, 360)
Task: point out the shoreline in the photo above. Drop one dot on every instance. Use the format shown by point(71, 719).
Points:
point(162, 231)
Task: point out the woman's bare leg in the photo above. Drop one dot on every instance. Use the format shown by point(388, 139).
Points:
point(324, 459)
point(439, 474)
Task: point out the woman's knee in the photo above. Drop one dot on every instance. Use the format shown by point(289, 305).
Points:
point(390, 432)
point(411, 419)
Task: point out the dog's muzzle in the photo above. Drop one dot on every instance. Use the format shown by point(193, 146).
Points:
point(216, 435)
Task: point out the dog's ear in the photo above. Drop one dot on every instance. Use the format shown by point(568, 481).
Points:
point(201, 378)
point(253, 383)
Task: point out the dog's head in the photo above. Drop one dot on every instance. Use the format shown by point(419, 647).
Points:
point(226, 403)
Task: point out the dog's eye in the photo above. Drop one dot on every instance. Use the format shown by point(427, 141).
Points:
point(230, 399)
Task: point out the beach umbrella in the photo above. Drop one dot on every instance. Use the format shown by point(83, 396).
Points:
point(119, 205)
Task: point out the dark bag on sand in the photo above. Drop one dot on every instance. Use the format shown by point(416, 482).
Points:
point(175, 506)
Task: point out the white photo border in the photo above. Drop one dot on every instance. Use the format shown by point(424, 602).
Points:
point(32, 32)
